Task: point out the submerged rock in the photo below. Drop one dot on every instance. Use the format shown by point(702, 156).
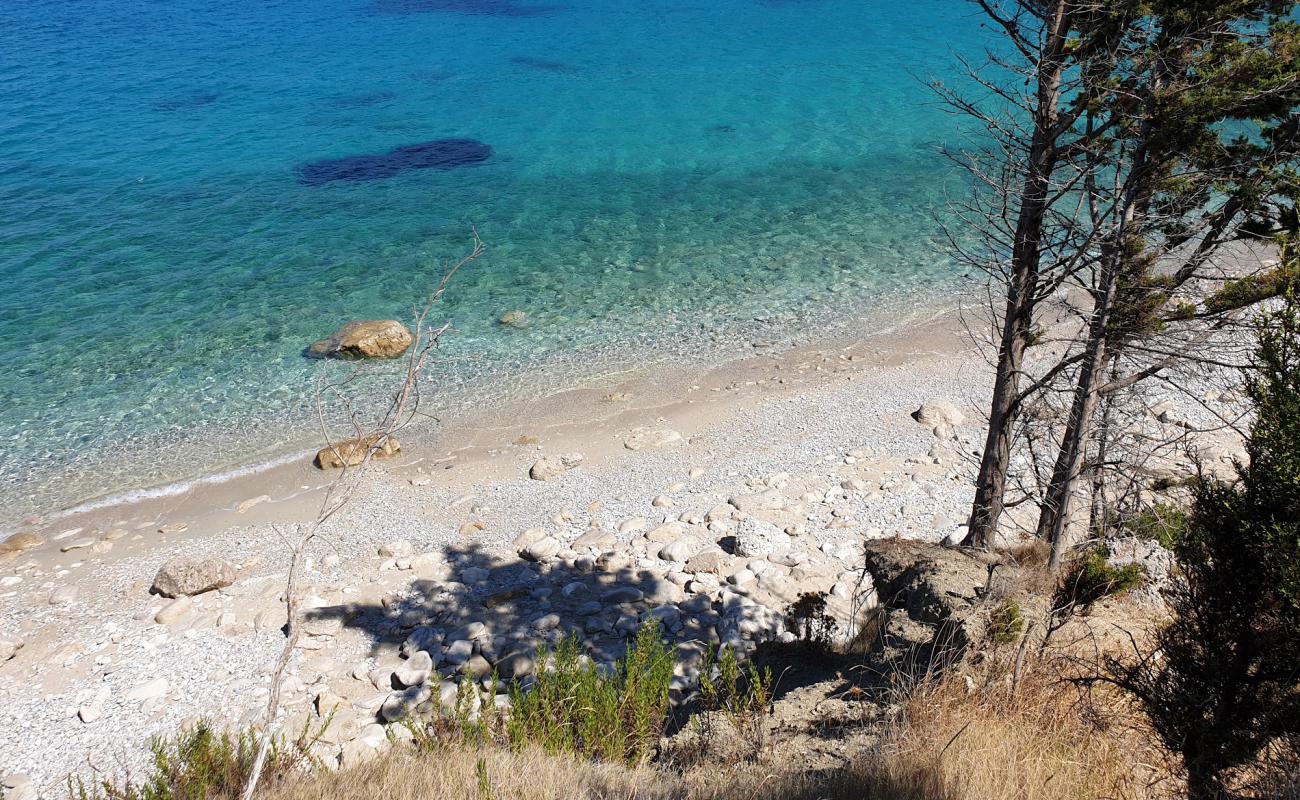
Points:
point(352, 452)
point(513, 319)
point(439, 154)
point(20, 542)
point(385, 338)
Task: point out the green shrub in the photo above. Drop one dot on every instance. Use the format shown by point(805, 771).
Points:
point(202, 764)
point(1091, 578)
point(1162, 523)
point(574, 707)
point(743, 693)
point(1006, 623)
point(1218, 682)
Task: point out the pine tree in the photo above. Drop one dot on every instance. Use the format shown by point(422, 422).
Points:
point(1205, 142)
point(1222, 682)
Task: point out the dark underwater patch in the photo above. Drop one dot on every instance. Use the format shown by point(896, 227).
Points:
point(472, 8)
point(186, 102)
point(367, 100)
point(440, 154)
point(542, 65)
point(431, 75)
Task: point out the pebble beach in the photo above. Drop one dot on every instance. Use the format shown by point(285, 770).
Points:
point(707, 498)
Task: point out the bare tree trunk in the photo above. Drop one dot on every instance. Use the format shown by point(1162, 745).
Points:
point(1134, 195)
point(1101, 504)
point(1053, 522)
point(1022, 289)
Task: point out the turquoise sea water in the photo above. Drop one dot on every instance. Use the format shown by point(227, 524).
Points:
point(665, 176)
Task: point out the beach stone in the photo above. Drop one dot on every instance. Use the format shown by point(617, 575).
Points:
point(513, 319)
point(547, 622)
point(189, 576)
point(352, 452)
point(399, 705)
point(458, 652)
point(666, 592)
point(329, 703)
point(679, 550)
point(632, 525)
point(758, 539)
point(516, 665)
point(365, 339)
point(667, 615)
point(381, 678)
point(474, 631)
point(471, 576)
point(623, 594)
point(355, 753)
point(741, 577)
point(651, 440)
point(936, 411)
point(9, 647)
point(326, 626)
point(395, 549)
point(528, 537)
point(668, 532)
point(150, 690)
point(476, 667)
point(554, 466)
point(709, 561)
point(374, 735)
point(425, 639)
point(595, 539)
point(541, 549)
point(415, 670)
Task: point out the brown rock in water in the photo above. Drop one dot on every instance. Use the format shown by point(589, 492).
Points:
point(373, 339)
point(182, 577)
point(20, 542)
point(352, 452)
point(513, 319)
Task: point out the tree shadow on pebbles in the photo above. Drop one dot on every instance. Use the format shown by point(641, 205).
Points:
point(467, 611)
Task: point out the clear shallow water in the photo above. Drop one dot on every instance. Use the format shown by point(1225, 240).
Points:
point(662, 173)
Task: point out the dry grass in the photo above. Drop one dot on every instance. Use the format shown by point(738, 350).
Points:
point(1044, 742)
point(463, 774)
point(1030, 553)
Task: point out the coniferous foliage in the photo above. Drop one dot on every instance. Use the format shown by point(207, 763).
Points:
point(1222, 684)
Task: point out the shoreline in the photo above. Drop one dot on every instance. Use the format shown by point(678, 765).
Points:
point(670, 367)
